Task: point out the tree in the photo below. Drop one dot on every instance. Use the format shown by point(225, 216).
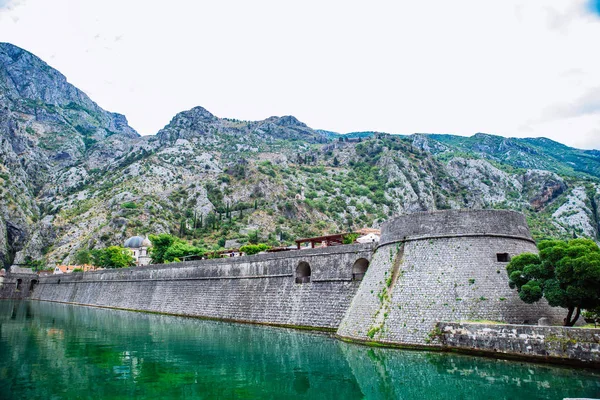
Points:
point(567, 274)
point(179, 250)
point(160, 244)
point(167, 248)
point(253, 236)
point(83, 257)
point(35, 265)
point(113, 257)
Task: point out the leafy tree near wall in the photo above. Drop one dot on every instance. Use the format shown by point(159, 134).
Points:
point(112, 257)
point(35, 265)
point(179, 250)
point(160, 244)
point(83, 257)
point(168, 248)
point(567, 274)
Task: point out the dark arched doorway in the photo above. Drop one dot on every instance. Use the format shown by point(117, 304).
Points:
point(303, 272)
point(359, 269)
point(32, 285)
point(19, 282)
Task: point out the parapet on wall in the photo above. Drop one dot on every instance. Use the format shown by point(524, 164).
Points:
point(259, 289)
point(442, 266)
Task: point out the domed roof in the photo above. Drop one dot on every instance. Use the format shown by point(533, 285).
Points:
point(134, 242)
point(146, 242)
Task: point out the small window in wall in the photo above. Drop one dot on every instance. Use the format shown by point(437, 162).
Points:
point(503, 257)
point(58, 282)
point(32, 284)
point(19, 282)
point(303, 272)
point(359, 269)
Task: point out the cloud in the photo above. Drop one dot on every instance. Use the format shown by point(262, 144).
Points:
point(591, 140)
point(8, 4)
point(587, 104)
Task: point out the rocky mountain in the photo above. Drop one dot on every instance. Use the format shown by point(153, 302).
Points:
point(73, 175)
point(541, 153)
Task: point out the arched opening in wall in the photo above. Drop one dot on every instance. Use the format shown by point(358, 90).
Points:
point(32, 285)
point(303, 272)
point(19, 283)
point(58, 282)
point(359, 269)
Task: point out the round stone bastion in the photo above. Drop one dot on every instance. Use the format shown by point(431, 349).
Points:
point(442, 266)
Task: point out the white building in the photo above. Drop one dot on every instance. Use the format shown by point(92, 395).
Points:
point(139, 246)
point(369, 238)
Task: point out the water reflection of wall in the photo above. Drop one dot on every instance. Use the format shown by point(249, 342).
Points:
point(168, 355)
point(67, 351)
point(392, 374)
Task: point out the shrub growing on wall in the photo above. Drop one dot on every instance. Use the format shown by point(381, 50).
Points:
point(567, 274)
point(350, 238)
point(592, 316)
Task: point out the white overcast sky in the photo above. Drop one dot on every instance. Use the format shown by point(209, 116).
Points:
point(508, 67)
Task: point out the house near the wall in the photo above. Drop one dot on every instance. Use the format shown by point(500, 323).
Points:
point(64, 269)
point(370, 238)
point(67, 269)
point(368, 235)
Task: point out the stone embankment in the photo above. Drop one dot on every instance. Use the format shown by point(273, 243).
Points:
point(542, 343)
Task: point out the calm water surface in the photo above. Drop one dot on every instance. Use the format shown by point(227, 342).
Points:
point(54, 351)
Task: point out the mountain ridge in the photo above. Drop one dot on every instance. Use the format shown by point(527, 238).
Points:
point(74, 176)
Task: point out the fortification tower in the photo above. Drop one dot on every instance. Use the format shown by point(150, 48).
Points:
point(442, 266)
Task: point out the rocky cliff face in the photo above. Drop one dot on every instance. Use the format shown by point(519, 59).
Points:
point(73, 175)
point(50, 136)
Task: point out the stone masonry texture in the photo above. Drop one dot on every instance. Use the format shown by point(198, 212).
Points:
point(258, 289)
point(441, 266)
point(569, 344)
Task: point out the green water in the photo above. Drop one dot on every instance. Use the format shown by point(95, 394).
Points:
point(53, 351)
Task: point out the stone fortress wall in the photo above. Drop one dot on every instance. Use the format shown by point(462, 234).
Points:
point(429, 267)
point(442, 266)
point(257, 289)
